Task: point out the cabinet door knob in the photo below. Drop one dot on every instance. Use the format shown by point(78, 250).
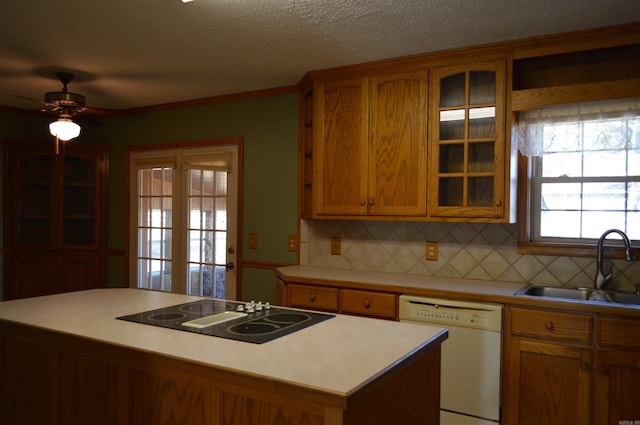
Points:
point(363, 203)
point(549, 326)
point(498, 203)
point(371, 202)
point(366, 303)
point(312, 297)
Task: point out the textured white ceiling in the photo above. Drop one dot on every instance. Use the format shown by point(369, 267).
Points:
point(134, 53)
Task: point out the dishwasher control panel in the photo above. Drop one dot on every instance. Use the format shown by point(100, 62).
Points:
point(416, 308)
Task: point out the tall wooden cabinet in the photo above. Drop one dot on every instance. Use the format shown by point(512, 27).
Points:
point(369, 147)
point(55, 219)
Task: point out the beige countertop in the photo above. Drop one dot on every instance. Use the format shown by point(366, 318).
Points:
point(401, 282)
point(457, 288)
point(338, 355)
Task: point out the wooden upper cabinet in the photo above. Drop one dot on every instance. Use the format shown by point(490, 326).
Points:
point(340, 147)
point(468, 152)
point(369, 150)
point(398, 145)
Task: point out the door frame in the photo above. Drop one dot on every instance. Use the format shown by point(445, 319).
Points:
point(237, 142)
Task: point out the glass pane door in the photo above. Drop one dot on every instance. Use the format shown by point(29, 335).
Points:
point(466, 139)
point(184, 215)
point(79, 201)
point(207, 233)
point(155, 235)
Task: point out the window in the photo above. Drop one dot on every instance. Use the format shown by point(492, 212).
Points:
point(584, 165)
point(183, 221)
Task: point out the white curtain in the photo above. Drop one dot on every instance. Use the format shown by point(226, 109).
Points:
point(560, 127)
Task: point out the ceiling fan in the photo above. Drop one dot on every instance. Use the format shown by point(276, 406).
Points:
point(66, 104)
point(64, 101)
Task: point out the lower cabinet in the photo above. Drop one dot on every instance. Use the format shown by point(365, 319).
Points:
point(382, 305)
point(549, 383)
point(547, 368)
point(576, 368)
point(617, 371)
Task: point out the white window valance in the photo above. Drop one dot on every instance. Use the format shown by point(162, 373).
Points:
point(560, 127)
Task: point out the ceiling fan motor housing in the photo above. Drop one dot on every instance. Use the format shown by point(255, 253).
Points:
point(65, 99)
point(69, 103)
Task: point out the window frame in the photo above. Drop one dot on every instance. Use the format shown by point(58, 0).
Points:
point(525, 242)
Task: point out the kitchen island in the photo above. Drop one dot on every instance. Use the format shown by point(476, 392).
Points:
point(66, 359)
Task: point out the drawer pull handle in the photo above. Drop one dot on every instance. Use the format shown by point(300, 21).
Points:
point(549, 326)
point(366, 303)
point(312, 297)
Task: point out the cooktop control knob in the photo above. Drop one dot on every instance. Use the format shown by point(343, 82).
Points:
point(259, 306)
point(267, 306)
point(240, 308)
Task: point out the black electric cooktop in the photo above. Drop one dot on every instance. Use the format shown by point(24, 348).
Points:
point(249, 322)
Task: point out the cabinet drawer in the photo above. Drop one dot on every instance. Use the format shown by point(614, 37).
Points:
point(551, 324)
point(369, 303)
point(619, 332)
point(314, 297)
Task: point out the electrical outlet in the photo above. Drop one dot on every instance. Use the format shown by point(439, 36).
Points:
point(335, 246)
point(292, 243)
point(253, 241)
point(432, 251)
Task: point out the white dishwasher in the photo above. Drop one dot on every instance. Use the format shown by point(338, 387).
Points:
point(471, 356)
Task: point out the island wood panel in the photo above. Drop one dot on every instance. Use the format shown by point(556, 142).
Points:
point(27, 382)
point(60, 379)
point(414, 384)
point(89, 388)
point(239, 410)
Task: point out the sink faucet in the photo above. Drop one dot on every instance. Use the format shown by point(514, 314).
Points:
point(601, 280)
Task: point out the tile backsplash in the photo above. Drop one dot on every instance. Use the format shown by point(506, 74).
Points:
point(465, 250)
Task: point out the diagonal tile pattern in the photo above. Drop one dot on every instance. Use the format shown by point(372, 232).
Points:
point(466, 250)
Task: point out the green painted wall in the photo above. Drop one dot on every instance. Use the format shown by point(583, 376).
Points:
point(268, 126)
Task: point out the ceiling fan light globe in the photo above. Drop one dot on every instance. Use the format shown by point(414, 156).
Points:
point(64, 129)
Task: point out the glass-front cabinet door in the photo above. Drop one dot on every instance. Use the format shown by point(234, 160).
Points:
point(467, 141)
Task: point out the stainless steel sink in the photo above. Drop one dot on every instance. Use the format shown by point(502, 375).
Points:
point(583, 294)
point(624, 297)
point(556, 292)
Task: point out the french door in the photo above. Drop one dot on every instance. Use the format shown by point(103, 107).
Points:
point(183, 221)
